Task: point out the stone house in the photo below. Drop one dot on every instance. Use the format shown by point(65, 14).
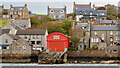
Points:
point(36, 37)
point(18, 12)
point(13, 28)
point(22, 23)
point(84, 12)
point(13, 44)
point(103, 36)
point(57, 13)
point(1, 11)
point(86, 35)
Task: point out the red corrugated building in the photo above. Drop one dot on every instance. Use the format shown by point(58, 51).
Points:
point(57, 42)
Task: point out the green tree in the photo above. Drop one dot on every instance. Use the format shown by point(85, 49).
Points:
point(75, 36)
point(66, 25)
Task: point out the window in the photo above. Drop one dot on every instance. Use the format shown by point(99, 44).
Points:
point(102, 14)
point(96, 39)
point(80, 13)
point(19, 13)
point(101, 45)
point(80, 19)
point(8, 47)
point(90, 13)
point(11, 12)
point(12, 8)
point(37, 36)
point(25, 37)
point(38, 42)
point(0, 47)
point(111, 39)
point(15, 12)
point(24, 47)
point(32, 42)
point(6, 41)
point(102, 36)
point(51, 11)
point(83, 40)
point(33, 36)
point(56, 37)
point(92, 40)
point(114, 50)
point(111, 33)
point(4, 47)
point(42, 48)
point(80, 46)
point(95, 33)
point(62, 11)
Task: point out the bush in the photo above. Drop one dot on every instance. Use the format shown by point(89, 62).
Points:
point(89, 49)
point(72, 49)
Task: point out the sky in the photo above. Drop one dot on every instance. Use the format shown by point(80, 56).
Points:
point(115, 2)
point(97, 2)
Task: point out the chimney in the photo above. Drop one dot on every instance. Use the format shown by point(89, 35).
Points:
point(74, 10)
point(26, 5)
point(11, 6)
point(48, 10)
point(90, 4)
point(94, 6)
point(73, 25)
point(65, 12)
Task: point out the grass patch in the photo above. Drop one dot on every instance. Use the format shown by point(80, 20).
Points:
point(72, 49)
point(3, 23)
point(40, 15)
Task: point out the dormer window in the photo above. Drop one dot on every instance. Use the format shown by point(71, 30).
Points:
point(20, 8)
point(102, 14)
point(91, 13)
point(12, 8)
point(51, 11)
point(15, 12)
point(80, 12)
point(62, 11)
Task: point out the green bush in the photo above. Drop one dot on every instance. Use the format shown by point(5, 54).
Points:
point(72, 49)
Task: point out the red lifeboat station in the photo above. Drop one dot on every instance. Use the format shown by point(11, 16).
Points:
point(57, 42)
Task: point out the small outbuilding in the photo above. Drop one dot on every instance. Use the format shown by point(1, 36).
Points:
point(57, 42)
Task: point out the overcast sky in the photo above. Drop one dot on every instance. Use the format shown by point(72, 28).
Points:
point(79, 1)
point(97, 2)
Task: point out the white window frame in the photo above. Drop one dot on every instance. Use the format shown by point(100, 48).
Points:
point(56, 37)
point(95, 33)
point(51, 10)
point(102, 36)
point(111, 32)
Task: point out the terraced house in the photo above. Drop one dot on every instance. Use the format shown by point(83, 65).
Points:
point(18, 12)
point(13, 44)
point(57, 13)
point(103, 36)
point(1, 11)
point(36, 37)
point(84, 12)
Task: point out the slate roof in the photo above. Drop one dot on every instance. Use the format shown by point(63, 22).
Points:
point(31, 32)
point(82, 6)
point(16, 9)
point(14, 37)
point(21, 23)
point(3, 31)
point(105, 28)
point(86, 12)
point(15, 26)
